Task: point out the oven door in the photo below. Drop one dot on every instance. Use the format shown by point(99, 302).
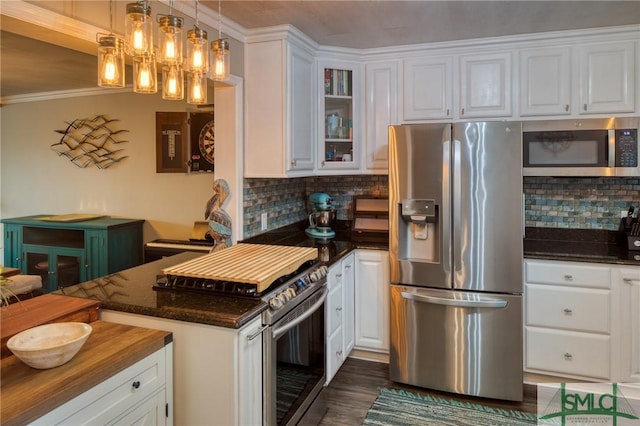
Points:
point(294, 363)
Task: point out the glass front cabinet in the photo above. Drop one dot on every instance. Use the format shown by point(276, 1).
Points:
point(339, 129)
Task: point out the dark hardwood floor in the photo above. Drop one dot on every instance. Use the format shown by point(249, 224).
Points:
point(352, 391)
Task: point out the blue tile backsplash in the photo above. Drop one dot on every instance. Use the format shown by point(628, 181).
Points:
point(576, 203)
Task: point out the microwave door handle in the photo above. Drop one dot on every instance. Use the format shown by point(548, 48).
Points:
point(611, 161)
point(482, 303)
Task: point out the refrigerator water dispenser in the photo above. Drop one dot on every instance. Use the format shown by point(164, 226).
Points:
point(418, 233)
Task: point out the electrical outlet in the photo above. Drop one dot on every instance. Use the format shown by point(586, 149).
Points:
point(263, 221)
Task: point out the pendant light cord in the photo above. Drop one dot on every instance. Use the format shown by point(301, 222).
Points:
point(197, 26)
point(219, 21)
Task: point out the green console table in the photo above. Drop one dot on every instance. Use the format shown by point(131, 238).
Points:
point(67, 253)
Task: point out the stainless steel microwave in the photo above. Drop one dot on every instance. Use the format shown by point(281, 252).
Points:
point(589, 147)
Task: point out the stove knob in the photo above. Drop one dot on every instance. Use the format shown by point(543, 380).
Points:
point(291, 292)
point(275, 303)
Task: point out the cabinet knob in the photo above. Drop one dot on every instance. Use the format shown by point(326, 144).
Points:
point(568, 277)
point(136, 384)
point(339, 309)
point(566, 107)
point(567, 311)
point(462, 112)
point(339, 354)
point(584, 107)
point(322, 163)
point(347, 266)
point(293, 163)
point(447, 112)
point(338, 275)
point(568, 356)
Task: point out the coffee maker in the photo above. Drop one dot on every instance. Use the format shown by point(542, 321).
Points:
point(322, 216)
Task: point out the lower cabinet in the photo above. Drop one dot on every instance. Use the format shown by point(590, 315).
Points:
point(372, 300)
point(140, 395)
point(217, 370)
point(339, 316)
point(582, 321)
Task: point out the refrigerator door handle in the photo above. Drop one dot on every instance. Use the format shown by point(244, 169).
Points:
point(482, 303)
point(446, 206)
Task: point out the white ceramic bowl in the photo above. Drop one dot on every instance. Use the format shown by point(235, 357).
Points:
point(49, 345)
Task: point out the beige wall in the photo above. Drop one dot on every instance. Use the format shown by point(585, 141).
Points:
point(35, 180)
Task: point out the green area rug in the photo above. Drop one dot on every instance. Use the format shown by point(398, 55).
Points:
point(398, 407)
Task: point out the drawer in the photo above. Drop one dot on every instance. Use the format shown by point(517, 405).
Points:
point(109, 399)
point(569, 308)
point(568, 353)
point(565, 273)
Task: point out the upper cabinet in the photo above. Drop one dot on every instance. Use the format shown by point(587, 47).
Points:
point(381, 106)
point(280, 108)
point(340, 141)
point(607, 76)
point(428, 88)
point(485, 85)
point(545, 81)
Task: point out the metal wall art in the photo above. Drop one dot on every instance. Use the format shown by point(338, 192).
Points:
point(172, 142)
point(88, 141)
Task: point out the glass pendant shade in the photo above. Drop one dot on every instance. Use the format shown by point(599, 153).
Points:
point(197, 83)
point(220, 70)
point(170, 39)
point(138, 29)
point(145, 76)
point(172, 82)
point(197, 51)
point(110, 61)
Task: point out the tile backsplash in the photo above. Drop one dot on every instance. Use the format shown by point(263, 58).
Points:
point(576, 203)
point(285, 200)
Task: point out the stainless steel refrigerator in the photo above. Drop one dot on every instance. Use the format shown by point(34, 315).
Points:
point(455, 228)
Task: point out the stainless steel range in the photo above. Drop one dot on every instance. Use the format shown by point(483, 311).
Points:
point(292, 282)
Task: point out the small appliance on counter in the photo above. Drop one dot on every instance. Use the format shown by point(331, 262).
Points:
point(322, 217)
point(630, 231)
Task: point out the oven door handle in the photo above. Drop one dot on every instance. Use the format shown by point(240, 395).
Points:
point(277, 332)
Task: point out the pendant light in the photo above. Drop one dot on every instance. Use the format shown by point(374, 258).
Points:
point(170, 34)
point(197, 51)
point(110, 56)
point(221, 67)
point(145, 75)
point(197, 64)
point(138, 29)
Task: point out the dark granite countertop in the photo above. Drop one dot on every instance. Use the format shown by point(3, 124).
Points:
point(578, 245)
point(132, 290)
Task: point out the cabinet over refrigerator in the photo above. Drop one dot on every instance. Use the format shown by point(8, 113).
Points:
point(455, 228)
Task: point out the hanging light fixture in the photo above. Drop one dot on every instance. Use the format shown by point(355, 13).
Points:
point(197, 52)
point(172, 82)
point(138, 29)
point(145, 76)
point(221, 66)
point(110, 56)
point(197, 64)
point(170, 34)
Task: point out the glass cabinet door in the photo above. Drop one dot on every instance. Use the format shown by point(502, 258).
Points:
point(337, 148)
point(57, 269)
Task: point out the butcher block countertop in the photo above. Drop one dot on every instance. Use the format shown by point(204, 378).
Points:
point(28, 393)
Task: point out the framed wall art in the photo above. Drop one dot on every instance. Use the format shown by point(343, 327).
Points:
point(172, 142)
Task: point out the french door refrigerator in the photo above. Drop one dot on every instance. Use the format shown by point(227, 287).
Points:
point(455, 228)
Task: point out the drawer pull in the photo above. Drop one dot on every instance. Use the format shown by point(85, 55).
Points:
point(568, 277)
point(339, 309)
point(631, 280)
point(136, 384)
point(568, 356)
point(567, 311)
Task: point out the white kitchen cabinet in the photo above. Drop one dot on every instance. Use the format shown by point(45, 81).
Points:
point(485, 85)
point(339, 314)
point(626, 282)
point(141, 394)
point(545, 81)
point(372, 300)
point(339, 118)
point(381, 82)
point(217, 370)
point(568, 320)
point(607, 78)
point(427, 88)
point(280, 107)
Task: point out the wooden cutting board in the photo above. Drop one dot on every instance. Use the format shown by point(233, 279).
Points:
point(258, 264)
